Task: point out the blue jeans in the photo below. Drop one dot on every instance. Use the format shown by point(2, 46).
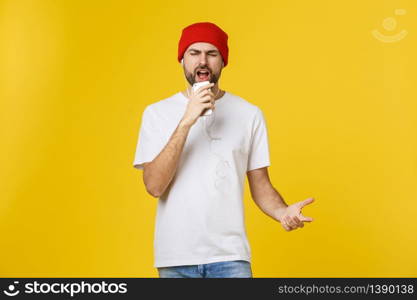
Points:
point(223, 269)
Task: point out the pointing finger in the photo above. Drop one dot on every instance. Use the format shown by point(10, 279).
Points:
point(305, 219)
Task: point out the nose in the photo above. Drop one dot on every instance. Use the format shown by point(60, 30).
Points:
point(203, 59)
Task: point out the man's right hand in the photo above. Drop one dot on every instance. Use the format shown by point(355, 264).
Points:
point(199, 101)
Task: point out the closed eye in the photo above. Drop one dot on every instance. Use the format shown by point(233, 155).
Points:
point(212, 54)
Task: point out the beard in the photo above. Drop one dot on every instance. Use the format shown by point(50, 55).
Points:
point(191, 76)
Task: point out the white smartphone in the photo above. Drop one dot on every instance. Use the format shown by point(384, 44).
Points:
point(198, 85)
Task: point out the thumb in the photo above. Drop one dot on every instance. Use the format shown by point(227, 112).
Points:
point(303, 203)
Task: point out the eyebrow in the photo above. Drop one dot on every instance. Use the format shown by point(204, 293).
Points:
point(195, 50)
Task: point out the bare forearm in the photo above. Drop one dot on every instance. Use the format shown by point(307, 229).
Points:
point(159, 173)
point(270, 202)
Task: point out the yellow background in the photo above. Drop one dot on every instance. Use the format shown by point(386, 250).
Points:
point(340, 105)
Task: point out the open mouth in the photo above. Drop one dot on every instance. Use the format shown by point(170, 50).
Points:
point(203, 75)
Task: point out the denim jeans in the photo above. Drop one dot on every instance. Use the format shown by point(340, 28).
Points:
point(224, 269)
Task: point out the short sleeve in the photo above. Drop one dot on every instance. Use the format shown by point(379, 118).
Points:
point(259, 146)
point(149, 143)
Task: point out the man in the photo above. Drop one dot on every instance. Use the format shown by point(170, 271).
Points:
point(196, 165)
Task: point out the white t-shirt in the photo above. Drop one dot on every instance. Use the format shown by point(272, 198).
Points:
point(200, 216)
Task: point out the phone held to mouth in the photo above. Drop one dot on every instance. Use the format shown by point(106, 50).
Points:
point(198, 85)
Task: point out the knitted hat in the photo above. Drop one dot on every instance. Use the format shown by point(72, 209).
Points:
point(204, 32)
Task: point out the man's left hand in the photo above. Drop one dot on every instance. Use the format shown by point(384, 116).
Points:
point(291, 217)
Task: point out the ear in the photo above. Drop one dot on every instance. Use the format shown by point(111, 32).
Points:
point(182, 62)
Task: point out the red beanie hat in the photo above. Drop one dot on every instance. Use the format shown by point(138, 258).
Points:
point(204, 32)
